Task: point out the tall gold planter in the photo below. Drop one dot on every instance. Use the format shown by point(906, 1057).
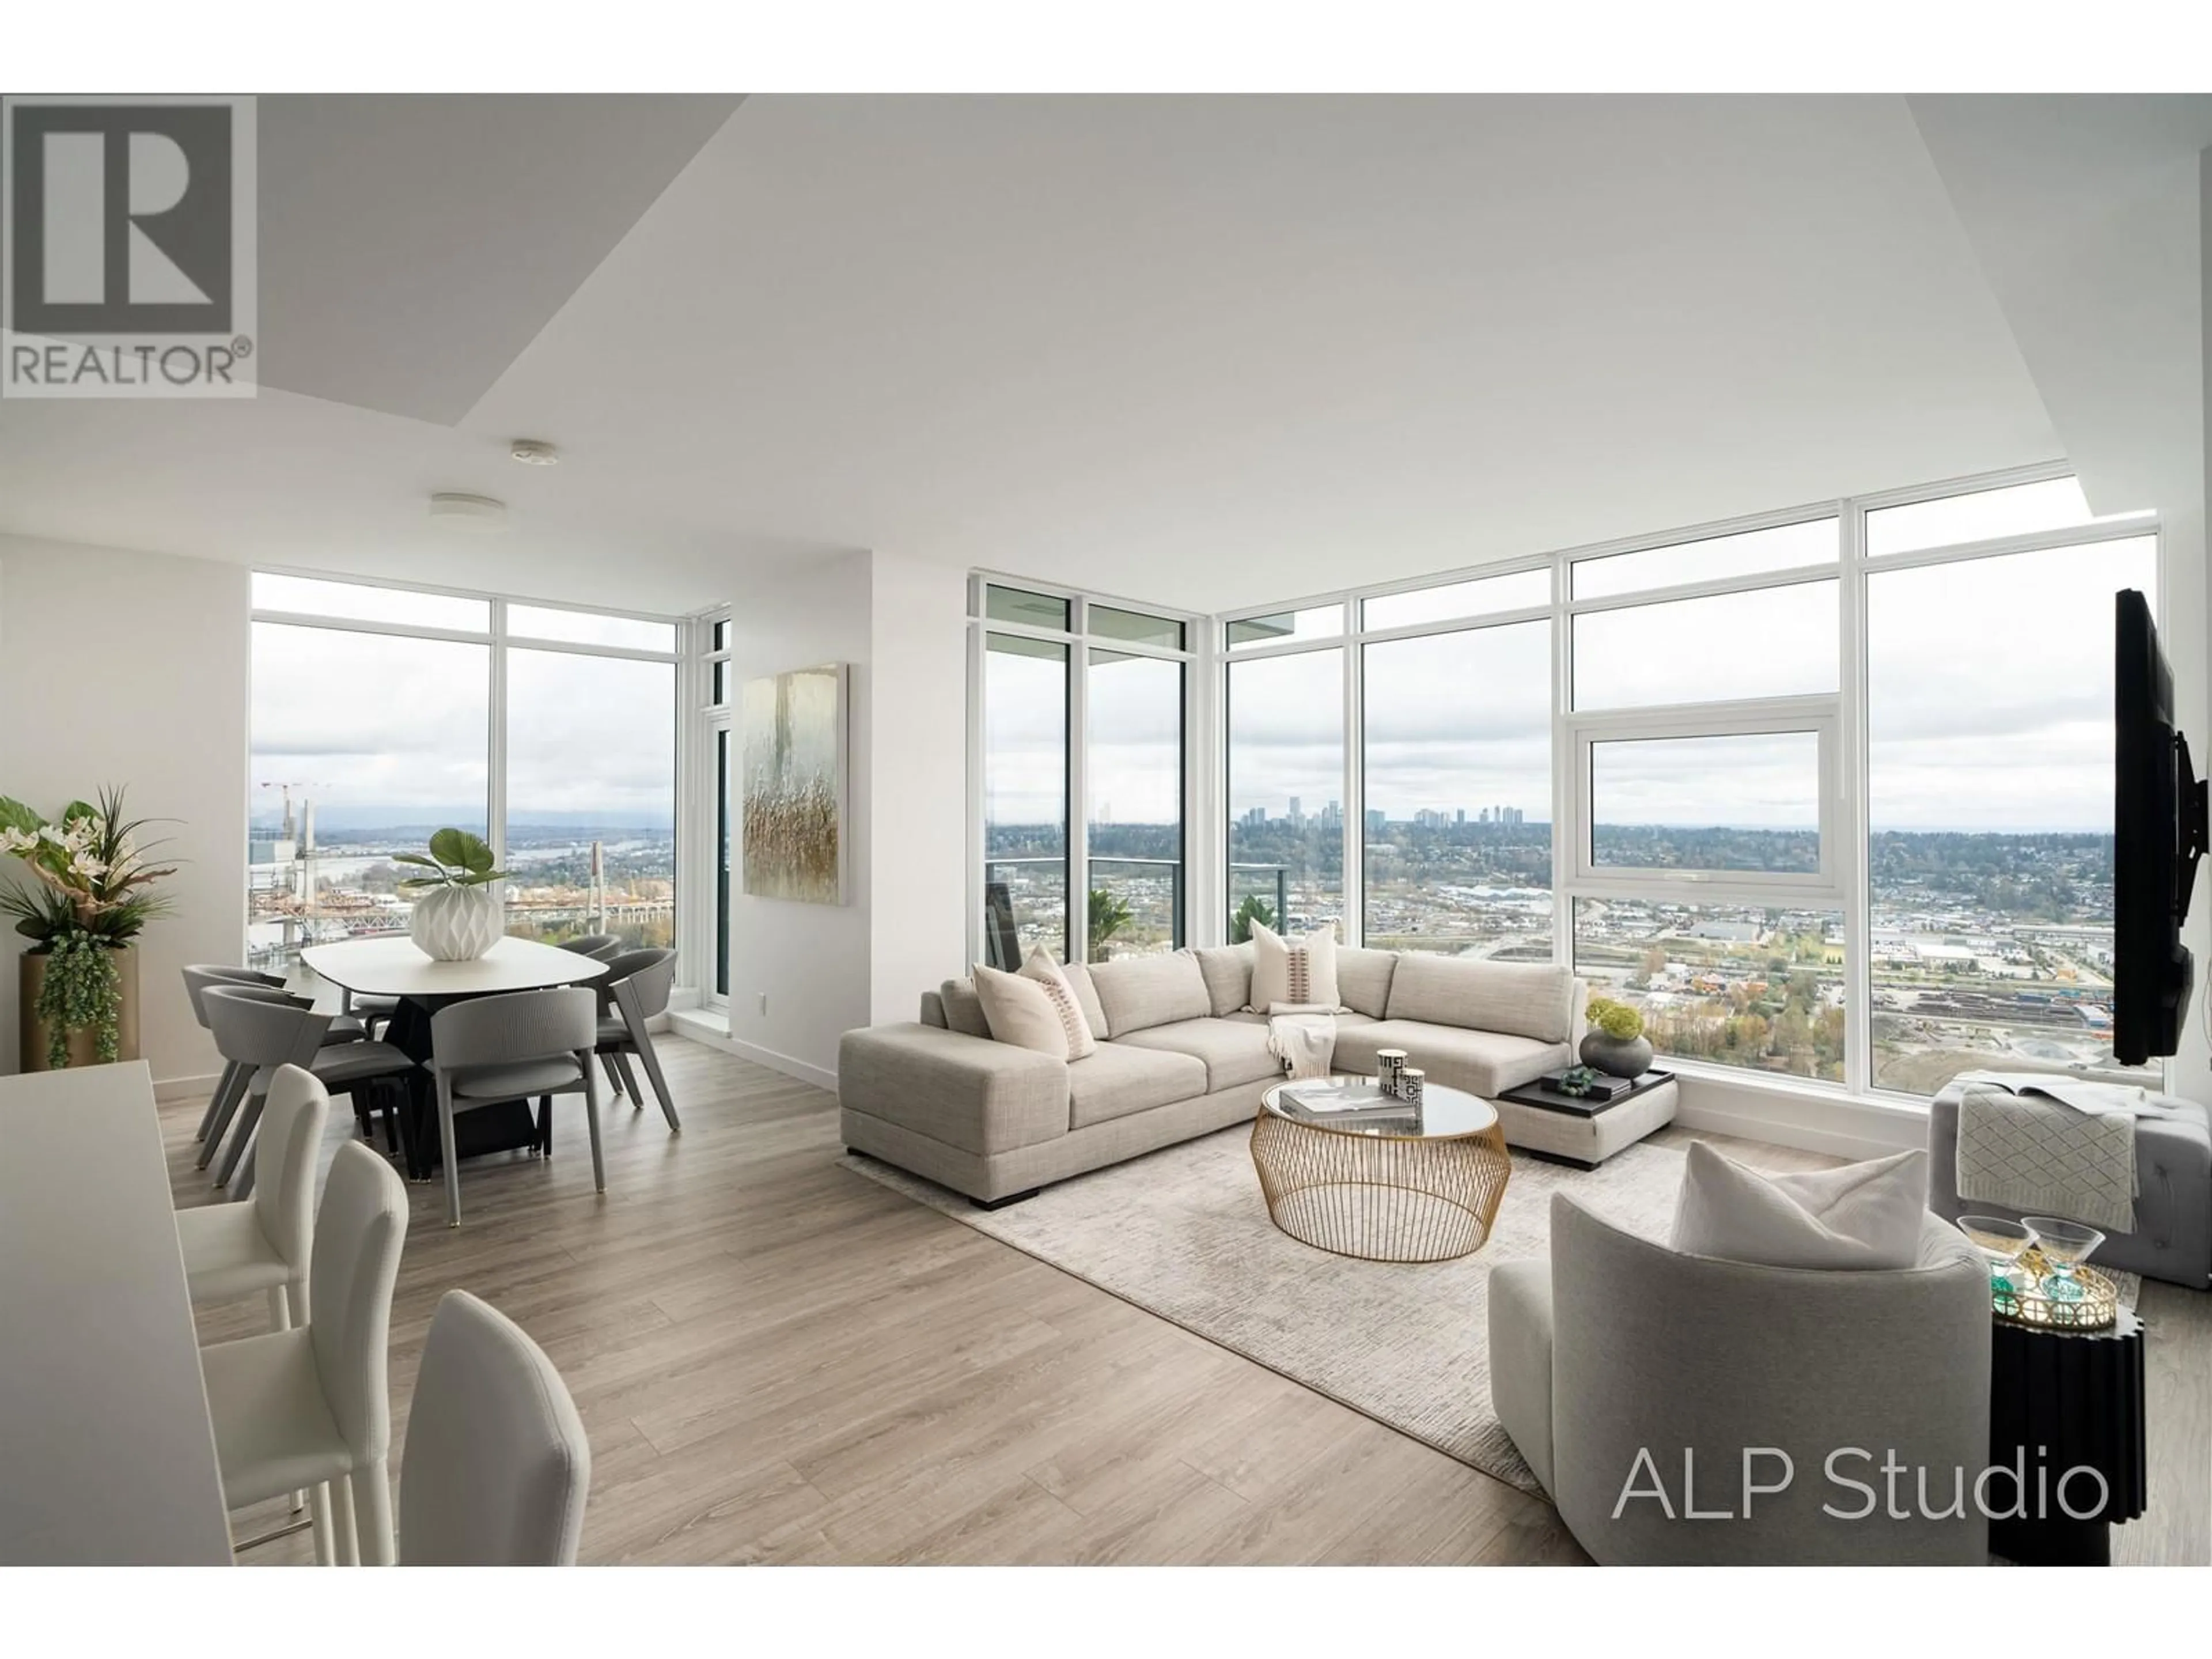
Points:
point(82, 1047)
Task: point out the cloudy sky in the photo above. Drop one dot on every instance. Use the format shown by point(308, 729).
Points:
point(369, 724)
point(1990, 708)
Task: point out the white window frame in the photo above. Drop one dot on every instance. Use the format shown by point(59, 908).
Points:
point(1774, 717)
point(1844, 883)
point(705, 721)
point(1198, 871)
point(496, 636)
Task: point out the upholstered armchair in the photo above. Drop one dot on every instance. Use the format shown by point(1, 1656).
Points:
point(1622, 1368)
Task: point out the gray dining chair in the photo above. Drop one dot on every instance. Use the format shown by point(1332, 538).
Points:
point(597, 946)
point(497, 1466)
point(261, 1031)
point(202, 975)
point(489, 1050)
point(198, 976)
point(634, 989)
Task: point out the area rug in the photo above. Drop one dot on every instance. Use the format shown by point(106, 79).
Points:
point(1184, 1233)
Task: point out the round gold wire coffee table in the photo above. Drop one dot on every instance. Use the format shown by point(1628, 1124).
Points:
point(1420, 1192)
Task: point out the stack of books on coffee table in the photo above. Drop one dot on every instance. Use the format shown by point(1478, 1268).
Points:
point(1358, 1106)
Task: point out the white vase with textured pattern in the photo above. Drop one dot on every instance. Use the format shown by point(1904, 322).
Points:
point(456, 924)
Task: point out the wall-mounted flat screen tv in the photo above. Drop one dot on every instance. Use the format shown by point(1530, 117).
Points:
point(2158, 834)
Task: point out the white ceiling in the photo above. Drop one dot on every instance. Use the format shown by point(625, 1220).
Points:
point(1198, 351)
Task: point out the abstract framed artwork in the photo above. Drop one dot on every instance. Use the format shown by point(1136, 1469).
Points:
point(794, 823)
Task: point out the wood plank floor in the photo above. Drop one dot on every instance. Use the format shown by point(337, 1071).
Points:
point(779, 1361)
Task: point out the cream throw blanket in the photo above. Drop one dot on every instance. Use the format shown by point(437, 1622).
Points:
point(1303, 1036)
point(2052, 1145)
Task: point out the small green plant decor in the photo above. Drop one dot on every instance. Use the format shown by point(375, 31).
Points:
point(457, 859)
point(1616, 1020)
point(1253, 909)
point(1109, 915)
point(90, 898)
point(455, 917)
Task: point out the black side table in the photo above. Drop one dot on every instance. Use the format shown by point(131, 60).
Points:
point(2062, 1401)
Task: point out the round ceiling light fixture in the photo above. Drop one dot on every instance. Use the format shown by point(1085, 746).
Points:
point(479, 513)
point(533, 453)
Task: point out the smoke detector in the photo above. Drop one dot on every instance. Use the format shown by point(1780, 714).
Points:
point(532, 453)
point(477, 513)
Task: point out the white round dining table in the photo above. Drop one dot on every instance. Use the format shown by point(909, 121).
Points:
point(398, 967)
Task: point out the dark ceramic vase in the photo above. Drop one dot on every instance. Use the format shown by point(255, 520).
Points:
point(1629, 1057)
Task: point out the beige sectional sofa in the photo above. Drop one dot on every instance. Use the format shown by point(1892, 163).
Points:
point(1180, 1056)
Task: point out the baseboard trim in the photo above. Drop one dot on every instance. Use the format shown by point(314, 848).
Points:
point(1840, 1129)
point(166, 1089)
point(702, 1026)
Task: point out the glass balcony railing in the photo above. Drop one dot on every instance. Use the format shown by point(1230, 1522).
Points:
point(1134, 907)
point(1257, 892)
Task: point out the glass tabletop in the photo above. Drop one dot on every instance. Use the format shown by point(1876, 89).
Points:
point(1445, 1113)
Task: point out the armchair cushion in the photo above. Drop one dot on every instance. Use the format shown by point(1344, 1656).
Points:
point(1862, 1216)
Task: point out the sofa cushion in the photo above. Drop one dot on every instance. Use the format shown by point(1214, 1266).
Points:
point(1485, 1063)
point(1246, 1017)
point(1228, 971)
point(963, 1008)
point(1235, 1050)
point(1121, 1079)
point(1138, 992)
point(1363, 979)
point(1529, 999)
point(1086, 997)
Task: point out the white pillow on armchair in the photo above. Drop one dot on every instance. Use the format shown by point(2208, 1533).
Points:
point(1864, 1216)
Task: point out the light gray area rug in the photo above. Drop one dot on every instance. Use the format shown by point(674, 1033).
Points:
point(1184, 1233)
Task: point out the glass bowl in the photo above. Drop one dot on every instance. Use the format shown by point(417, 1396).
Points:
point(2064, 1245)
point(2002, 1242)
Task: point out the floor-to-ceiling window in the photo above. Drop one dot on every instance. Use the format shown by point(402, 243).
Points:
point(381, 714)
point(1990, 796)
point(1706, 867)
point(1287, 794)
point(1456, 757)
point(1084, 788)
point(1825, 793)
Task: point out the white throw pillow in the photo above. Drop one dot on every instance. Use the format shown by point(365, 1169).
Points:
point(1301, 969)
point(1066, 1004)
point(1862, 1216)
point(1019, 1013)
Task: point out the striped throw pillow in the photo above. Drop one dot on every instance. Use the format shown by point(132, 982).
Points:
point(1040, 967)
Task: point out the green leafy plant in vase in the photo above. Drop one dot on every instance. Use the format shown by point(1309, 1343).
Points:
point(90, 898)
point(456, 916)
point(1109, 915)
point(1616, 1044)
point(1253, 909)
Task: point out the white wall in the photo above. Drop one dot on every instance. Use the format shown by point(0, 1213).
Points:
point(919, 696)
point(132, 668)
point(809, 961)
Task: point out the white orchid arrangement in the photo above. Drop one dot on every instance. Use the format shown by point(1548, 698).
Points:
point(91, 898)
